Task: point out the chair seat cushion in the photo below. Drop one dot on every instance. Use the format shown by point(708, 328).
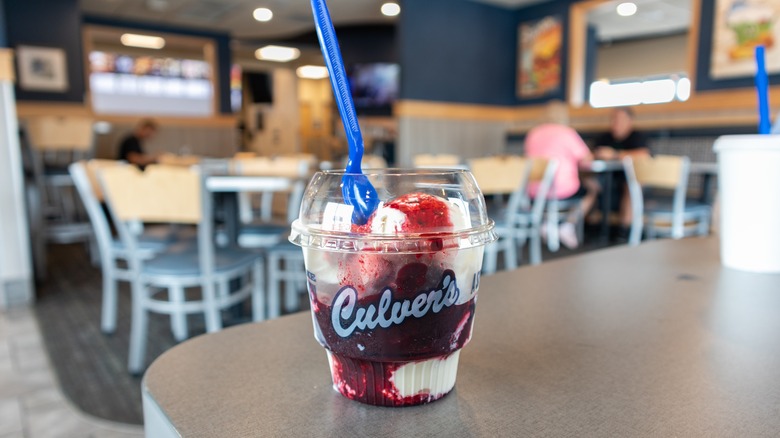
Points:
point(285, 246)
point(188, 263)
point(144, 244)
point(664, 206)
point(262, 236)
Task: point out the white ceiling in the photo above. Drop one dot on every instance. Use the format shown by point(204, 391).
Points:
point(293, 17)
point(653, 17)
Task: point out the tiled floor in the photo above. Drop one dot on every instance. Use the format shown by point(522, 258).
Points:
point(31, 402)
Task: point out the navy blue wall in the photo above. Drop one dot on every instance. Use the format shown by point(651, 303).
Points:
point(47, 23)
point(358, 44)
point(464, 51)
point(3, 28)
point(457, 51)
point(221, 42)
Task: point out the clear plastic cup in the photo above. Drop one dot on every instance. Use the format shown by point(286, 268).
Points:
point(393, 300)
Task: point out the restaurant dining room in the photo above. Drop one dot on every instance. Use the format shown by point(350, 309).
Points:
point(274, 218)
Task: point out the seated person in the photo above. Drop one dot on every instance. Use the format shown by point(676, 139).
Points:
point(131, 149)
point(622, 141)
point(556, 140)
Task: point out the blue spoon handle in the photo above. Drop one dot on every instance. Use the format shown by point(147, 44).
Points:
point(338, 79)
point(762, 86)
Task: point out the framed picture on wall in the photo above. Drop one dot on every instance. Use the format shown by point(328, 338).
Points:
point(738, 27)
point(540, 44)
point(42, 68)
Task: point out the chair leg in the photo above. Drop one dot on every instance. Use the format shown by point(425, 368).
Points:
point(109, 306)
point(300, 278)
point(258, 294)
point(635, 235)
point(704, 225)
point(178, 317)
point(510, 255)
point(212, 310)
point(138, 329)
point(489, 258)
point(553, 239)
point(535, 249)
point(274, 307)
point(291, 302)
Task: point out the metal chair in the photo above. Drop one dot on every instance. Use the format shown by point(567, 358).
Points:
point(164, 194)
point(56, 142)
point(662, 216)
point(285, 178)
point(519, 220)
point(113, 253)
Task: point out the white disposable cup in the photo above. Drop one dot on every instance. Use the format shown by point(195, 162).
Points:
point(749, 185)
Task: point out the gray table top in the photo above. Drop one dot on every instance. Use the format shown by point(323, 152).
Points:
point(655, 340)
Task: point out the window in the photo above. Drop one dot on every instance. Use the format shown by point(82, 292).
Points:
point(658, 89)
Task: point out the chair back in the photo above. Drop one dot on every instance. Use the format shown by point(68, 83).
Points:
point(51, 133)
point(662, 171)
point(179, 160)
point(500, 174)
point(436, 160)
point(373, 162)
point(84, 175)
point(276, 166)
point(167, 194)
point(541, 172)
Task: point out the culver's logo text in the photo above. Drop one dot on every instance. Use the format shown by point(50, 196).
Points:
point(348, 317)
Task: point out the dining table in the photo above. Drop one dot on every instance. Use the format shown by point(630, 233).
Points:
point(654, 340)
point(227, 186)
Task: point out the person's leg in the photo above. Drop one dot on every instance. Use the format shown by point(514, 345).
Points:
point(591, 188)
point(625, 208)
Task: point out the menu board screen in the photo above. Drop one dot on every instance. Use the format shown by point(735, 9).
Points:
point(146, 85)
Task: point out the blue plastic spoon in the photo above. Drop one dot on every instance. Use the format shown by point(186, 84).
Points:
point(355, 187)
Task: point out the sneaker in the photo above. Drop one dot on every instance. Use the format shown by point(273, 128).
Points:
point(568, 235)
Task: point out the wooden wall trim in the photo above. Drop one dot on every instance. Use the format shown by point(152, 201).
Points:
point(7, 65)
point(732, 107)
point(446, 110)
point(30, 109)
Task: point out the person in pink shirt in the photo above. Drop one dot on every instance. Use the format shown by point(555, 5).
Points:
point(555, 140)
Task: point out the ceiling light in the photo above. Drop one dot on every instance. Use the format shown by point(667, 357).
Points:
point(312, 72)
point(145, 41)
point(626, 9)
point(277, 53)
point(391, 9)
point(263, 14)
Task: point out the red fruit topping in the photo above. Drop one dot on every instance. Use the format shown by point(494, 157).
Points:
point(423, 212)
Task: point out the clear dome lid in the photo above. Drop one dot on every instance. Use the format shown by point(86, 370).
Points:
point(420, 210)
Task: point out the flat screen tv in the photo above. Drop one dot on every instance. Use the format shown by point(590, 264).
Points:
point(374, 87)
point(260, 86)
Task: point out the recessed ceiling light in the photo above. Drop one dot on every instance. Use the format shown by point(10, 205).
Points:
point(312, 72)
point(626, 9)
point(263, 14)
point(277, 53)
point(391, 9)
point(144, 41)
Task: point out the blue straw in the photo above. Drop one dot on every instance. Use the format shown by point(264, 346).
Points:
point(762, 87)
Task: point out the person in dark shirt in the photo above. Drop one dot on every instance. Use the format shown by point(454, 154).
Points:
point(131, 147)
point(622, 141)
